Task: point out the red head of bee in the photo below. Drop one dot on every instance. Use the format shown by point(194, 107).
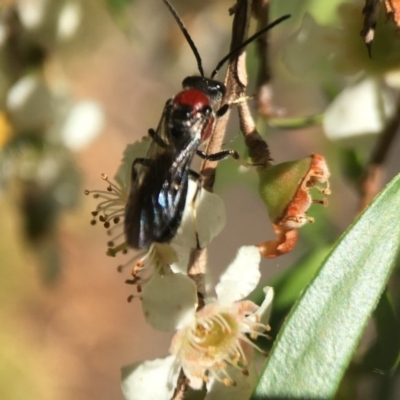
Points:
point(193, 98)
point(193, 110)
point(193, 103)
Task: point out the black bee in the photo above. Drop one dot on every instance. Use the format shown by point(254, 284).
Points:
point(160, 181)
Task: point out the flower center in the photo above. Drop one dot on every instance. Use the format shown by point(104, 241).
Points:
point(215, 332)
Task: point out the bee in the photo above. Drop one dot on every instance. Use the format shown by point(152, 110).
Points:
point(159, 182)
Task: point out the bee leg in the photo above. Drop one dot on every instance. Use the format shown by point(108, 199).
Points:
point(194, 175)
point(194, 213)
point(222, 110)
point(153, 133)
point(221, 155)
point(156, 138)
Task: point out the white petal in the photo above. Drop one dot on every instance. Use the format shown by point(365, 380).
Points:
point(264, 311)
point(169, 301)
point(241, 277)
point(210, 216)
point(359, 109)
point(83, 124)
point(204, 214)
point(165, 253)
point(150, 380)
point(138, 149)
point(243, 389)
point(182, 259)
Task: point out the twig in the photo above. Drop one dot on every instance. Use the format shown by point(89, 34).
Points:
point(235, 82)
point(370, 184)
point(181, 387)
point(264, 90)
point(256, 145)
point(374, 173)
point(196, 271)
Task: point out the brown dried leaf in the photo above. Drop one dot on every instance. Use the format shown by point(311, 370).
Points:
point(285, 242)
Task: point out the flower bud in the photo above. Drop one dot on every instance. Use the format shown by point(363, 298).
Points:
point(285, 190)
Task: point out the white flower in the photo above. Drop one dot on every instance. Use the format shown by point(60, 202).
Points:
point(159, 272)
point(360, 109)
point(216, 339)
point(203, 217)
point(211, 345)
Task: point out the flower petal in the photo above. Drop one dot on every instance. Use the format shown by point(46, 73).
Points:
point(204, 215)
point(165, 253)
point(169, 300)
point(355, 112)
point(182, 259)
point(242, 390)
point(264, 311)
point(150, 380)
point(132, 151)
point(241, 277)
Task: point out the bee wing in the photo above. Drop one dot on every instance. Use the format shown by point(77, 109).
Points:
point(157, 198)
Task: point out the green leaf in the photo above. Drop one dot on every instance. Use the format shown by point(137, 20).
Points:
point(316, 343)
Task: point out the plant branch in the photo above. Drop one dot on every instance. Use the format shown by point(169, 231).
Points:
point(264, 90)
point(235, 82)
point(372, 180)
point(181, 387)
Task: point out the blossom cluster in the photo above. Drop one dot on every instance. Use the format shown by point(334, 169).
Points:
point(213, 344)
point(213, 341)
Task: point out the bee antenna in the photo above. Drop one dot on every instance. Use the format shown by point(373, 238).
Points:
point(246, 42)
point(187, 36)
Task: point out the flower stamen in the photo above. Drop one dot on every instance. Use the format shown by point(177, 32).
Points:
point(217, 340)
point(112, 206)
